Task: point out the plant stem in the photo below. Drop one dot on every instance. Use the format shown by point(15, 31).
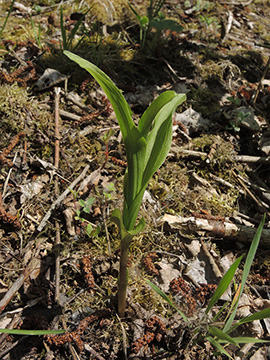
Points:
point(123, 278)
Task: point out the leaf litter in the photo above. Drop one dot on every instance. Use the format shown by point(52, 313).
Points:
point(214, 179)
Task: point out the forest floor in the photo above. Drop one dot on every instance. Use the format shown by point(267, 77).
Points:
point(62, 166)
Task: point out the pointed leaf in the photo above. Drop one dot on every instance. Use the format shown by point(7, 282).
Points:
point(246, 340)
point(150, 113)
point(224, 283)
point(119, 104)
point(31, 332)
point(260, 315)
point(214, 331)
point(158, 142)
point(166, 298)
point(247, 266)
point(217, 345)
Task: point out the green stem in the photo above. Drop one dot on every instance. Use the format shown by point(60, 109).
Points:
point(123, 279)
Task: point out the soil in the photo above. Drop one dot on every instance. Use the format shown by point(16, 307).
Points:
point(62, 166)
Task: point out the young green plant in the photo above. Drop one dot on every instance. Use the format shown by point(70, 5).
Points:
point(218, 335)
point(147, 146)
point(6, 18)
point(154, 19)
point(67, 40)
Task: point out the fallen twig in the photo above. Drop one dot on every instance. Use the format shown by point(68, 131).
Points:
point(216, 229)
point(253, 101)
point(32, 265)
point(264, 207)
point(237, 158)
point(57, 241)
point(61, 198)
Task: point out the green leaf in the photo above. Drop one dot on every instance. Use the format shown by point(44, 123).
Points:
point(158, 142)
point(247, 266)
point(224, 283)
point(126, 236)
point(63, 29)
point(260, 315)
point(214, 331)
point(246, 340)
point(134, 141)
point(217, 345)
point(89, 229)
point(31, 332)
point(143, 20)
point(151, 112)
point(82, 203)
point(75, 28)
point(119, 104)
point(166, 298)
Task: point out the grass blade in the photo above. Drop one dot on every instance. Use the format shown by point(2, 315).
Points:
point(217, 345)
point(247, 266)
point(166, 298)
point(214, 331)
point(224, 283)
point(6, 19)
point(246, 340)
point(63, 29)
point(260, 315)
point(75, 29)
point(31, 332)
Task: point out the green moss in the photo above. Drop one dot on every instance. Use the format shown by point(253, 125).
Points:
point(13, 101)
point(204, 101)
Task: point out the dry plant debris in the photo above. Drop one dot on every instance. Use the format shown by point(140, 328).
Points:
point(214, 187)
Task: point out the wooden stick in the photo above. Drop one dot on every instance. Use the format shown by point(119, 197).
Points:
point(57, 241)
point(58, 201)
point(216, 229)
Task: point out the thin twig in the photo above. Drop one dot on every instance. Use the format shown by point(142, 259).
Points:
point(62, 197)
point(56, 191)
point(264, 207)
point(253, 101)
point(33, 265)
point(237, 158)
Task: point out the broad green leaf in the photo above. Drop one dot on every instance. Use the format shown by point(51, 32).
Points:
point(119, 104)
point(217, 345)
point(135, 149)
point(224, 283)
point(166, 298)
point(214, 331)
point(158, 142)
point(134, 142)
point(247, 266)
point(31, 332)
point(150, 113)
